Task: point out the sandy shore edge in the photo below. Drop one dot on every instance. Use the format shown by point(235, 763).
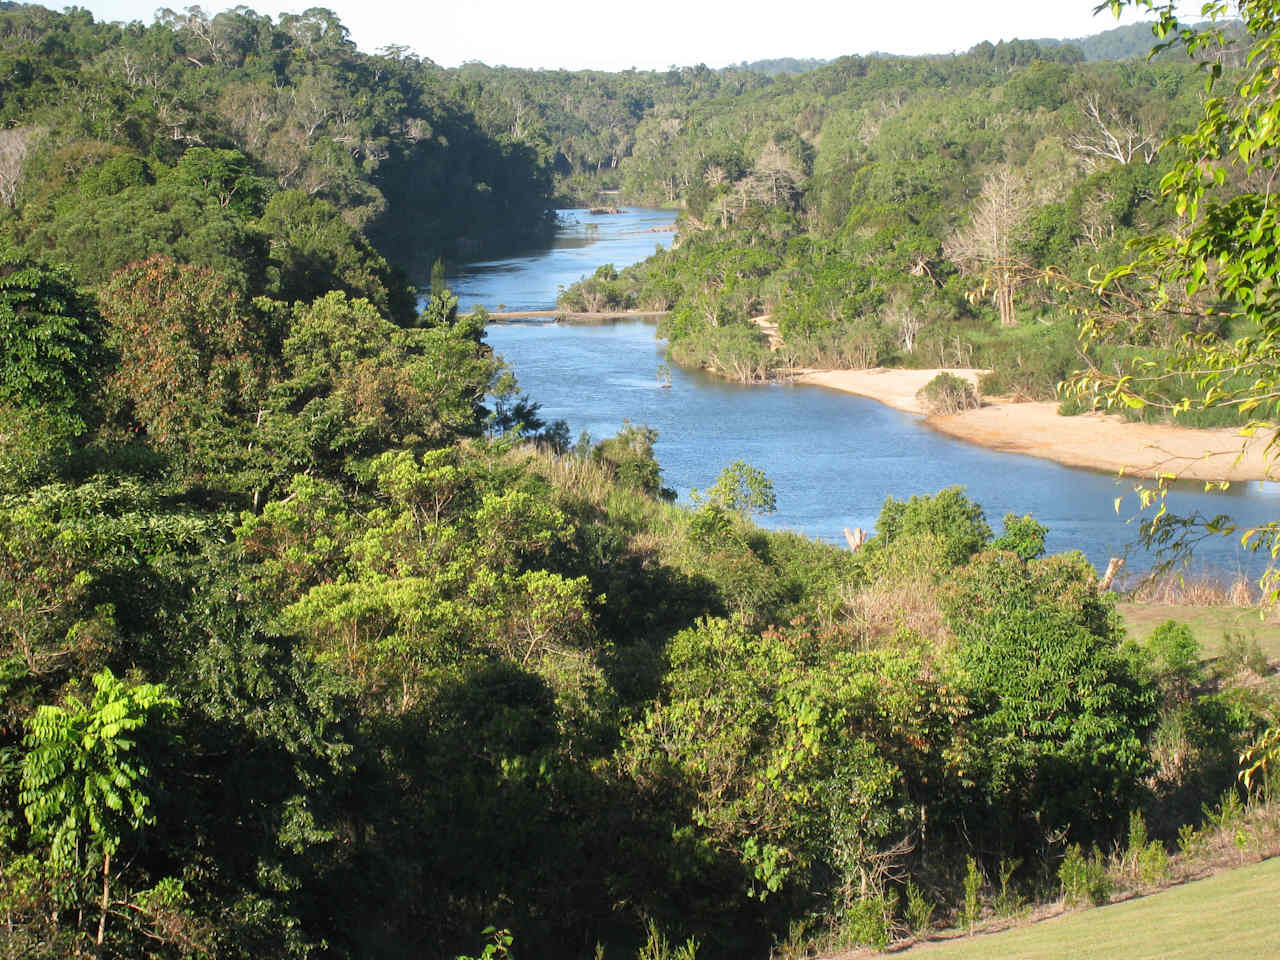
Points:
point(1096, 441)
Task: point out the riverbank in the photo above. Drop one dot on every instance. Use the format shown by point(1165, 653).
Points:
point(1095, 440)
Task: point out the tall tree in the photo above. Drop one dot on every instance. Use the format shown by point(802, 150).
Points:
point(985, 248)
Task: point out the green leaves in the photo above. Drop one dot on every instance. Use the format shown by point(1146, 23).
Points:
point(1219, 269)
point(83, 780)
point(51, 351)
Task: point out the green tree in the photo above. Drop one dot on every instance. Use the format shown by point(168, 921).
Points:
point(51, 353)
point(1222, 264)
point(1218, 268)
point(355, 385)
point(85, 782)
point(313, 251)
point(1058, 714)
point(191, 371)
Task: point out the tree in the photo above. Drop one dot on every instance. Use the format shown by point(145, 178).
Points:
point(985, 246)
point(50, 339)
point(314, 251)
point(191, 358)
point(14, 144)
point(1111, 135)
point(355, 385)
point(84, 781)
point(1218, 268)
point(1223, 261)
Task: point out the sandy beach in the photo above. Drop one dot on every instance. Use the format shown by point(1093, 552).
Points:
point(1097, 441)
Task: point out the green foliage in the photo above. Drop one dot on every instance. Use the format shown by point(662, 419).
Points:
point(355, 385)
point(628, 457)
point(51, 351)
point(869, 921)
point(1147, 858)
point(1059, 711)
point(947, 394)
point(951, 517)
point(657, 947)
point(80, 565)
point(82, 784)
point(919, 911)
point(499, 945)
point(971, 907)
point(226, 176)
point(1021, 535)
point(1177, 656)
point(1008, 901)
point(796, 750)
point(312, 251)
point(1085, 880)
point(740, 489)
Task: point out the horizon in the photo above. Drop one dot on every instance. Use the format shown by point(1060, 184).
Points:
point(584, 37)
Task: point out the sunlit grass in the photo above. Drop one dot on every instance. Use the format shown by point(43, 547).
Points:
point(1233, 914)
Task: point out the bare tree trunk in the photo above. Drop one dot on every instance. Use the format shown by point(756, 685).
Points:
point(106, 900)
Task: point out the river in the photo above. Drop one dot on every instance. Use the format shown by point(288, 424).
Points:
point(833, 458)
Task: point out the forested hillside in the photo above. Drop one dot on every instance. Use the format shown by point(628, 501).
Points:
point(226, 139)
point(316, 642)
point(933, 211)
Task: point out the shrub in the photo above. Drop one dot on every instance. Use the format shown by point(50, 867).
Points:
point(1240, 652)
point(972, 907)
point(1022, 535)
point(1084, 879)
point(1058, 716)
point(869, 921)
point(1146, 858)
point(1008, 900)
point(946, 394)
point(919, 911)
point(953, 519)
point(629, 458)
point(1176, 654)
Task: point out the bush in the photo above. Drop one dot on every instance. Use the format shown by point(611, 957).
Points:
point(1085, 880)
point(1177, 656)
point(972, 907)
point(946, 394)
point(1240, 653)
point(957, 523)
point(1146, 858)
point(919, 911)
point(629, 458)
point(870, 921)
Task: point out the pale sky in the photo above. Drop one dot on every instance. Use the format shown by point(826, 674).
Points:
point(655, 34)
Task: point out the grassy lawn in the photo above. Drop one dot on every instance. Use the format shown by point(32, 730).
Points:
point(1234, 914)
point(1208, 624)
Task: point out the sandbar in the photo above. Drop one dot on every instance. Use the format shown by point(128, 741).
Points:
point(1095, 441)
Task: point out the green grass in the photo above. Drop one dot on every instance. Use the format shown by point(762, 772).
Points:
point(1208, 624)
point(1234, 914)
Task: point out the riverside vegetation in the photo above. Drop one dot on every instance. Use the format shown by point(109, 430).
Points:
point(922, 212)
point(315, 641)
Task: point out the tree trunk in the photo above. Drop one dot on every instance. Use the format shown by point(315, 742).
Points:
point(106, 900)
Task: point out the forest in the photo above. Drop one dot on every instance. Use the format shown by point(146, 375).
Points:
point(317, 641)
point(918, 212)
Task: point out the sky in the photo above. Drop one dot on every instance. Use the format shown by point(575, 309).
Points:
point(656, 34)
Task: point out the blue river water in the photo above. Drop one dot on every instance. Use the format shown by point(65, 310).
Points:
point(833, 458)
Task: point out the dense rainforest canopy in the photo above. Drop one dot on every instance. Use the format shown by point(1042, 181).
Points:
point(316, 642)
